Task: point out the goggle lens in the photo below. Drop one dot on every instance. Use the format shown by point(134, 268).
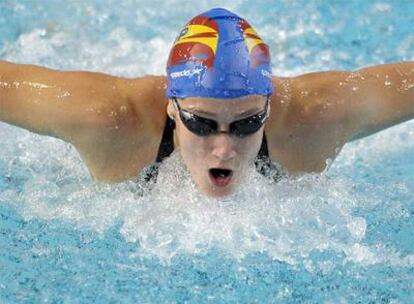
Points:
point(202, 126)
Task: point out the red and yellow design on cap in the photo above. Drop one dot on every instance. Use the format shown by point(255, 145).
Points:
point(197, 42)
point(258, 50)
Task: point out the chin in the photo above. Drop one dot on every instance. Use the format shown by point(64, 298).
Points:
point(218, 192)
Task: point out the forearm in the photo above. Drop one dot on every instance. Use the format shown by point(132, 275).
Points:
point(386, 97)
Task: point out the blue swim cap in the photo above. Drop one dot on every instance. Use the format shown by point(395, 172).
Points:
point(218, 54)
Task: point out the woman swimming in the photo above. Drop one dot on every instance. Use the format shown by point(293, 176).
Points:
point(221, 99)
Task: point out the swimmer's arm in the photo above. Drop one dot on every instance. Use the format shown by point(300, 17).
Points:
point(55, 103)
point(386, 98)
point(318, 113)
point(115, 123)
point(360, 103)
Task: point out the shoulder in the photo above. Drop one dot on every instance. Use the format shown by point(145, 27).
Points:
point(312, 98)
point(145, 96)
point(142, 112)
point(304, 127)
point(129, 137)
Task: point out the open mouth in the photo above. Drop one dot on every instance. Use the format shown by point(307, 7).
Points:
point(220, 177)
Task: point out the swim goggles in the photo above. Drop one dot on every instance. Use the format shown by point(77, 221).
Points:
point(204, 126)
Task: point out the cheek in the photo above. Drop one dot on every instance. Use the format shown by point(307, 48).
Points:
point(190, 145)
point(250, 145)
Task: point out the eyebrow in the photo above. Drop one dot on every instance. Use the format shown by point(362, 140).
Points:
point(244, 113)
point(249, 112)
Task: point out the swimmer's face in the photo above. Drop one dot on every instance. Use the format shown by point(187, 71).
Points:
point(218, 162)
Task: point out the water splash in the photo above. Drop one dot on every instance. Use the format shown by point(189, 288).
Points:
point(288, 220)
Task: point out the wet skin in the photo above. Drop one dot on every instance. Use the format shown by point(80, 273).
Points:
point(116, 124)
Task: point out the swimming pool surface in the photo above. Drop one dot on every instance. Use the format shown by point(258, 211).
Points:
point(344, 236)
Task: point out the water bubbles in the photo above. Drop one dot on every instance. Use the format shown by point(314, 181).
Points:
point(382, 8)
point(387, 81)
point(9, 85)
point(259, 217)
point(287, 220)
point(361, 254)
point(406, 84)
point(63, 94)
point(354, 77)
point(358, 228)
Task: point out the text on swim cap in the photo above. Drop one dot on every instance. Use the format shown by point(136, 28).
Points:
point(185, 73)
point(267, 74)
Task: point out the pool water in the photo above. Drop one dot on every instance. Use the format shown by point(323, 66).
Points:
point(344, 236)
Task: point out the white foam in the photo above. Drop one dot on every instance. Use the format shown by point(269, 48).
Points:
point(287, 220)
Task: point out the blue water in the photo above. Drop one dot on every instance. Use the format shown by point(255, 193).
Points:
point(345, 236)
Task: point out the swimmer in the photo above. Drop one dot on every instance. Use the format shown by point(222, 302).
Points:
point(219, 106)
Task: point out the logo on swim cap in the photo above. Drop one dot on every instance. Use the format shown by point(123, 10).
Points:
point(258, 50)
point(197, 42)
point(218, 54)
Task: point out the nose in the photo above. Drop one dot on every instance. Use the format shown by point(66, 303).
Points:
point(224, 147)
